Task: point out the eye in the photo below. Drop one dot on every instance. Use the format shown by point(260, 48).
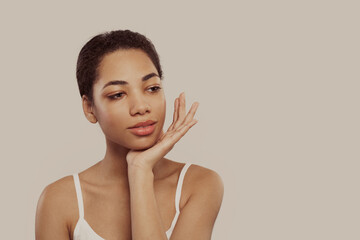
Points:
point(116, 96)
point(154, 88)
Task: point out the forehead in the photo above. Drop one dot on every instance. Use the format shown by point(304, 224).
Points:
point(126, 64)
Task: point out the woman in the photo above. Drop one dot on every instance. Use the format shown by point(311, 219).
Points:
point(134, 192)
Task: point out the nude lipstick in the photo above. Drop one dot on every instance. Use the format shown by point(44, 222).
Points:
point(143, 128)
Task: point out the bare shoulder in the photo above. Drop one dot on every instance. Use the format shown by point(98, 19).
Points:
point(54, 208)
point(197, 216)
point(204, 183)
point(61, 184)
point(196, 174)
point(205, 179)
point(59, 191)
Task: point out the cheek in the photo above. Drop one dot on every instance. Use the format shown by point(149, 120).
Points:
point(163, 105)
point(161, 108)
point(111, 119)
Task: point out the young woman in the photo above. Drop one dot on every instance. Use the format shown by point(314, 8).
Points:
point(134, 192)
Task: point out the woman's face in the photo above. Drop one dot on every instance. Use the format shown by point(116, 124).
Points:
point(129, 91)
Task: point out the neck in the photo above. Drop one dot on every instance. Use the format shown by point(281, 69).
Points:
point(114, 166)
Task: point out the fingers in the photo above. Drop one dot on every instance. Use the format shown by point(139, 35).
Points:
point(175, 114)
point(186, 126)
point(180, 132)
point(179, 118)
point(182, 110)
point(161, 136)
point(189, 117)
point(180, 125)
point(176, 107)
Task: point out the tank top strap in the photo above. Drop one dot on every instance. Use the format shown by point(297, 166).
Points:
point(79, 195)
point(179, 186)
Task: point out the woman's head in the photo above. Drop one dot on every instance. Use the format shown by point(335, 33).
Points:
point(119, 77)
point(96, 48)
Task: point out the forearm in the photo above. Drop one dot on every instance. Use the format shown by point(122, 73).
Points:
point(146, 221)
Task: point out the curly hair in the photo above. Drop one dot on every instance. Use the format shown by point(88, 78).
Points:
point(96, 48)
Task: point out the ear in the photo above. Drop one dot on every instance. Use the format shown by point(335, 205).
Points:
point(88, 109)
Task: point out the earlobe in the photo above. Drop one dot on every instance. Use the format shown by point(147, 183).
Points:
point(88, 110)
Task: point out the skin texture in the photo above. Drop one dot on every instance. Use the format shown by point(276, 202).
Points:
point(134, 183)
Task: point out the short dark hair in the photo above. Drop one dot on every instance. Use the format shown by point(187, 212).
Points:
point(102, 44)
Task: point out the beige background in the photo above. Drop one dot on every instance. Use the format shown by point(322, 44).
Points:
point(278, 86)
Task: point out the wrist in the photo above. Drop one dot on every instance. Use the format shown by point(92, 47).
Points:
point(139, 171)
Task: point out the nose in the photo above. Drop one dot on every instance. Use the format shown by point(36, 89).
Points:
point(139, 105)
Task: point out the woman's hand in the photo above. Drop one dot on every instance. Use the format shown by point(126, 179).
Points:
point(181, 124)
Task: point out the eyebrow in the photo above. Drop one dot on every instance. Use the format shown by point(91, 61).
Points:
point(122, 82)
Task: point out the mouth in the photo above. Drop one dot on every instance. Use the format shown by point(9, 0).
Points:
point(143, 124)
point(143, 130)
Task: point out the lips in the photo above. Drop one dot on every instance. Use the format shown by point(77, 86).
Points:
point(143, 128)
point(143, 124)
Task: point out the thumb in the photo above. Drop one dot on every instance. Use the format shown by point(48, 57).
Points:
point(161, 135)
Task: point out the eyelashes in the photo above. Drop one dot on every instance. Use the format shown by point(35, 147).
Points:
point(153, 89)
point(116, 96)
point(157, 88)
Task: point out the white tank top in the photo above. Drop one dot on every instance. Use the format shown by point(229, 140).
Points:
point(83, 230)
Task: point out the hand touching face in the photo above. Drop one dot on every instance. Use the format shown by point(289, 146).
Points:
point(182, 122)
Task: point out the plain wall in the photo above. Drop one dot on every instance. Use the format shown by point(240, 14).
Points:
point(278, 86)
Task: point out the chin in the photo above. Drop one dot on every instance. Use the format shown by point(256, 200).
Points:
point(142, 144)
point(139, 147)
